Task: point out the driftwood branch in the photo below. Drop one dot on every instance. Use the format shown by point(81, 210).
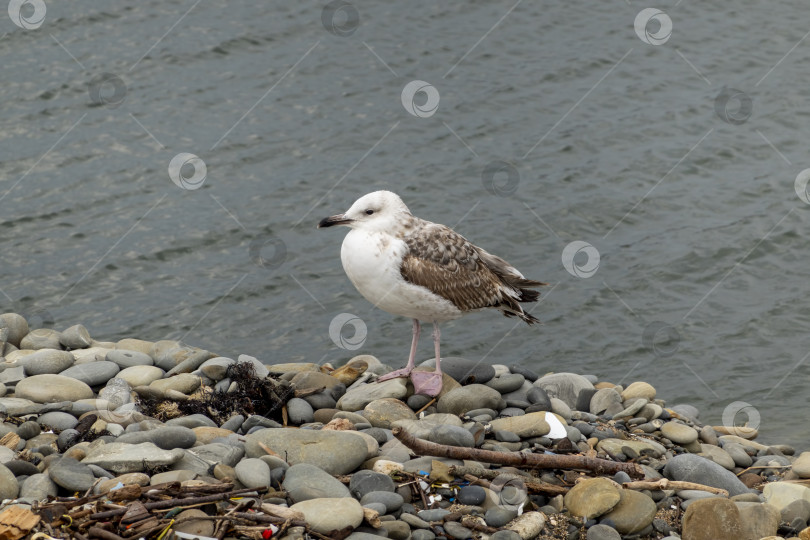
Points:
point(171, 503)
point(517, 459)
point(664, 483)
point(531, 487)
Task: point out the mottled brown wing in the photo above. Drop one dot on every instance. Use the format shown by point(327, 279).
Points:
point(443, 261)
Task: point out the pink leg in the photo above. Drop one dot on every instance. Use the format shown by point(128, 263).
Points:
point(430, 382)
point(404, 372)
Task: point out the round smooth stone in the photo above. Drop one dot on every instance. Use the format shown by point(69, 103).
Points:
point(58, 420)
point(603, 532)
point(392, 501)
point(679, 433)
point(17, 327)
point(67, 438)
point(47, 361)
point(436, 514)
point(126, 359)
point(472, 495)
point(451, 436)
point(21, 468)
point(75, 337)
point(28, 430)
point(327, 515)
point(38, 487)
point(92, 373)
point(592, 497)
point(300, 411)
point(50, 388)
point(71, 474)
point(165, 437)
point(457, 530)
point(505, 535)
point(498, 516)
point(365, 481)
point(377, 507)
point(41, 338)
point(194, 527)
point(141, 375)
point(253, 473)
point(507, 383)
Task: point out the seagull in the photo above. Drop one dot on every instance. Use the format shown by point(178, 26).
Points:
point(414, 268)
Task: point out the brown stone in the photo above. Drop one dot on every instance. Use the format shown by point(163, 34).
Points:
point(712, 519)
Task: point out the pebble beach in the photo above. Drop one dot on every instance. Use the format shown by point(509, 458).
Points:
point(142, 439)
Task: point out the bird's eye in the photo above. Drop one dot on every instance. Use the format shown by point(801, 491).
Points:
point(369, 212)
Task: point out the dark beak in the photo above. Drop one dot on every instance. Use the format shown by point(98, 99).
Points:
point(339, 219)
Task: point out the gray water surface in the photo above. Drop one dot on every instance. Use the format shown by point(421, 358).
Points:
point(673, 156)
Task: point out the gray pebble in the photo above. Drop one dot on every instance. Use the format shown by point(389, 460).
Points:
point(75, 337)
point(417, 401)
point(422, 534)
point(457, 530)
point(365, 481)
point(539, 398)
point(507, 383)
point(28, 430)
point(603, 532)
point(414, 521)
point(321, 400)
point(166, 437)
point(46, 361)
point(303, 481)
point(192, 421)
point(67, 438)
point(71, 475)
point(498, 516)
point(392, 501)
point(21, 468)
point(380, 435)
point(506, 436)
point(126, 359)
point(505, 535)
point(451, 436)
point(58, 420)
point(472, 495)
point(92, 373)
point(798, 509)
point(253, 473)
point(233, 423)
point(300, 412)
point(376, 506)
point(433, 515)
point(529, 374)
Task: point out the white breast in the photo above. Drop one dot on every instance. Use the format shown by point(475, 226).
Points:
point(372, 262)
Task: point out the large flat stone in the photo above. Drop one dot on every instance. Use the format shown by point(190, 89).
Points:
point(333, 451)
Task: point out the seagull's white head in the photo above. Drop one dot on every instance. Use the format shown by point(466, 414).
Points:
point(379, 211)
